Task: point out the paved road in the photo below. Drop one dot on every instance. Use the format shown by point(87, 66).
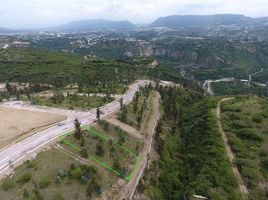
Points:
point(208, 87)
point(21, 150)
point(252, 74)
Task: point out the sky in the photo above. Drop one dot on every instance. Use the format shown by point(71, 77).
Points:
point(44, 13)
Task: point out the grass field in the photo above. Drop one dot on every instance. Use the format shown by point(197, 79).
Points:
point(55, 176)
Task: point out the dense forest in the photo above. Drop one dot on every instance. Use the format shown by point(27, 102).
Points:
point(237, 88)
point(192, 155)
point(61, 69)
point(202, 57)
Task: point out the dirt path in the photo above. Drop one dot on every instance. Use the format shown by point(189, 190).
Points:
point(230, 154)
point(125, 127)
point(149, 128)
point(73, 155)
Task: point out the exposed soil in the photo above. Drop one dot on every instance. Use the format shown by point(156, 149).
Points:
point(17, 124)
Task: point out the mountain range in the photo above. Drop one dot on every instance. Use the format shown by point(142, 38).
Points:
point(173, 21)
point(99, 24)
point(187, 21)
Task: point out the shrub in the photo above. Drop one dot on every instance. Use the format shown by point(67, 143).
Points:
point(57, 197)
point(26, 193)
point(76, 173)
point(7, 184)
point(257, 118)
point(25, 178)
point(31, 163)
point(248, 134)
point(99, 150)
point(84, 153)
point(264, 164)
point(44, 183)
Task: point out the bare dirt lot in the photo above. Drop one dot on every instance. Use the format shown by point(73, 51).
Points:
point(16, 124)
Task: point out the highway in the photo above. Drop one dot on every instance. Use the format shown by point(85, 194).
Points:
point(22, 150)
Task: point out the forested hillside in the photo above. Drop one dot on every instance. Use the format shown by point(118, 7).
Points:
point(60, 69)
point(192, 155)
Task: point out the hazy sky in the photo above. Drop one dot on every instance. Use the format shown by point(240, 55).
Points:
point(42, 13)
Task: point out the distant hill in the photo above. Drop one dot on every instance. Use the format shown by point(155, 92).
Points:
point(187, 21)
point(87, 25)
point(4, 30)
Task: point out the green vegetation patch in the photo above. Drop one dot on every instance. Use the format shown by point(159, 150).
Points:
point(192, 158)
point(72, 101)
point(238, 88)
point(104, 150)
point(54, 175)
point(245, 120)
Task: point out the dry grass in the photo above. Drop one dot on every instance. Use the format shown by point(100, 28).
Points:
point(17, 124)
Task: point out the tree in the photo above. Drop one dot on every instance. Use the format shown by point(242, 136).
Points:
point(26, 193)
point(123, 116)
point(90, 189)
point(84, 153)
point(99, 149)
point(121, 103)
point(77, 129)
point(98, 113)
point(82, 142)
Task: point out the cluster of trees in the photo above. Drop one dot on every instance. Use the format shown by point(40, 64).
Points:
point(16, 90)
point(237, 88)
point(59, 69)
point(192, 155)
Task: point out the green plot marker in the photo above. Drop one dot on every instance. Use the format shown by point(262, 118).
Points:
point(106, 138)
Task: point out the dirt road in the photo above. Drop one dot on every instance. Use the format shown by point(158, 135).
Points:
point(125, 127)
point(149, 128)
point(230, 154)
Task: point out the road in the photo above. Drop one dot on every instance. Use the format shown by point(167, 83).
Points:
point(250, 76)
point(20, 151)
point(208, 87)
point(242, 186)
point(129, 190)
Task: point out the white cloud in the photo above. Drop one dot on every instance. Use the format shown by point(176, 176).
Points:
point(40, 13)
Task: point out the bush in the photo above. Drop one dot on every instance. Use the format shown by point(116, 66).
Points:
point(264, 164)
point(44, 183)
point(25, 178)
point(248, 134)
point(99, 150)
point(8, 184)
point(84, 153)
point(76, 173)
point(57, 197)
point(257, 118)
point(31, 163)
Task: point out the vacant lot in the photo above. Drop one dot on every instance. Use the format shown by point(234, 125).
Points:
point(16, 124)
point(55, 176)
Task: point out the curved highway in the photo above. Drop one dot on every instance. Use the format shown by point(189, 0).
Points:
point(21, 150)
